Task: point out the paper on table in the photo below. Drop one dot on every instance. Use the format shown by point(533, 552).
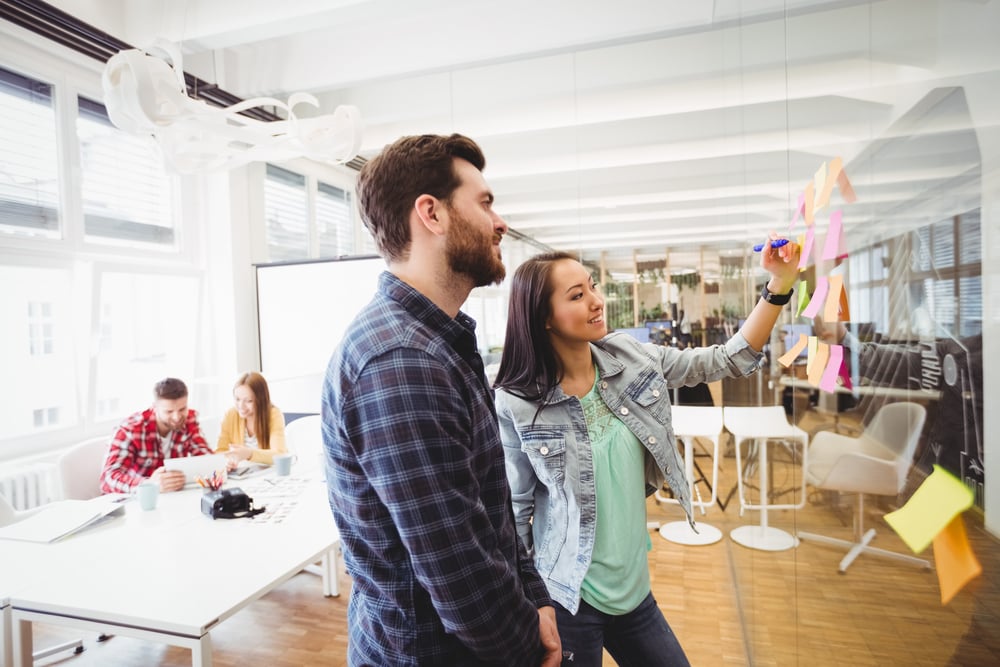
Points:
point(954, 561)
point(63, 518)
point(930, 509)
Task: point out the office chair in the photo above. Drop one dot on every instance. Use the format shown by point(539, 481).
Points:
point(305, 439)
point(877, 462)
point(9, 515)
point(80, 469)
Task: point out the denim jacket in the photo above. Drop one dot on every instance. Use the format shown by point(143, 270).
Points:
point(548, 457)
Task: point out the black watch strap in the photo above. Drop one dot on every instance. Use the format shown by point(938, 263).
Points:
point(776, 299)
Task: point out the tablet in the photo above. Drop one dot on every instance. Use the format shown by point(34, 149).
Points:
point(197, 466)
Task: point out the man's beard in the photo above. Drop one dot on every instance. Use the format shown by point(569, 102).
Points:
point(471, 254)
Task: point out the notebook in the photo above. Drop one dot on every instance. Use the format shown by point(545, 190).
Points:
point(196, 466)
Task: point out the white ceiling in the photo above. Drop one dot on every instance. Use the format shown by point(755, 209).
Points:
point(637, 127)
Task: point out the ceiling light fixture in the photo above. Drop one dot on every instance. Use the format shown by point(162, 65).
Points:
point(145, 94)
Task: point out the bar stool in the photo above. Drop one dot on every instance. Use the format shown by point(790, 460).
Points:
point(690, 422)
point(760, 425)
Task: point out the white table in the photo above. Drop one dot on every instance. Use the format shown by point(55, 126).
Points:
point(690, 422)
point(760, 425)
point(177, 574)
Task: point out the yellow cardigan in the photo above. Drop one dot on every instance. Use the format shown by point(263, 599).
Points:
point(233, 432)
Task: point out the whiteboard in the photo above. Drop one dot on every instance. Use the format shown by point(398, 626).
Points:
point(303, 309)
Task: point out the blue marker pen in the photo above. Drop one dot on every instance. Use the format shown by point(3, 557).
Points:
point(774, 244)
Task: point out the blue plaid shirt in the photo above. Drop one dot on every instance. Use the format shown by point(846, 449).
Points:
point(419, 491)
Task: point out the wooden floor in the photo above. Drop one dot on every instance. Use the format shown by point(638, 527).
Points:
point(729, 605)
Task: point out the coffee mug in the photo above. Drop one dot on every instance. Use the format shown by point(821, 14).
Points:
point(283, 463)
point(147, 493)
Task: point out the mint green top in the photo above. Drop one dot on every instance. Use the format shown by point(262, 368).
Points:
point(618, 578)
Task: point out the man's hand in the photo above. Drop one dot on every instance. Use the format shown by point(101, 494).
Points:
point(169, 480)
point(550, 637)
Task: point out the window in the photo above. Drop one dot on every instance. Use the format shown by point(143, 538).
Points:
point(29, 194)
point(333, 219)
point(286, 211)
point(126, 190)
point(40, 328)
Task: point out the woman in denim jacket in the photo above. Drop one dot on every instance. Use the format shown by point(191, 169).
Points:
point(585, 423)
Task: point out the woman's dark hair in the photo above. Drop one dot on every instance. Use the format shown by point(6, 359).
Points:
point(390, 183)
point(262, 406)
point(528, 366)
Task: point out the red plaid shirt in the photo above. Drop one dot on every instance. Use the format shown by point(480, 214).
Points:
point(135, 450)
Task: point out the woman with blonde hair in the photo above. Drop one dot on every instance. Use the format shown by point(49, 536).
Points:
point(254, 429)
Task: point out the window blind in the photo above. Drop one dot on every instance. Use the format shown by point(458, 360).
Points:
point(286, 213)
point(29, 192)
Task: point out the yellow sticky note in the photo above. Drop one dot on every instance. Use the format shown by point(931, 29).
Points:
point(930, 509)
point(954, 561)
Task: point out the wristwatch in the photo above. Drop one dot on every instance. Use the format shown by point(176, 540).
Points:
point(776, 299)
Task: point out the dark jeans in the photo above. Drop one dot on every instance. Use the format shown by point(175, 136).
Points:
point(640, 638)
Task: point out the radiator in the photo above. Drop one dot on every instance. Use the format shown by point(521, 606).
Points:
point(29, 486)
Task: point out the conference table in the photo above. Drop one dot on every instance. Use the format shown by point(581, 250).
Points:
point(172, 574)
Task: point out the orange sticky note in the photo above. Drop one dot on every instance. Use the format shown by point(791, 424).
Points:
point(819, 184)
point(788, 357)
point(816, 368)
point(846, 191)
point(831, 307)
point(954, 561)
point(829, 180)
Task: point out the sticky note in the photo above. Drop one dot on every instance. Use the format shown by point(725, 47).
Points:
point(818, 297)
point(828, 382)
point(930, 509)
point(830, 177)
point(803, 297)
point(819, 184)
point(815, 370)
point(807, 248)
point(846, 190)
point(954, 560)
point(831, 307)
point(788, 357)
point(800, 208)
point(834, 236)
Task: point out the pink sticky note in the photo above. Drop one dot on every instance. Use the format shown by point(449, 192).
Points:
point(799, 210)
point(829, 380)
point(834, 236)
point(818, 298)
point(807, 248)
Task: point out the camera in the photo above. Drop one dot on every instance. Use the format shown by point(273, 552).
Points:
point(227, 504)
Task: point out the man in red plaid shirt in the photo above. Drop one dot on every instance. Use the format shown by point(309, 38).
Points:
point(144, 440)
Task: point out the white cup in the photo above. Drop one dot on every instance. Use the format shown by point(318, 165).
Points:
point(283, 463)
point(147, 492)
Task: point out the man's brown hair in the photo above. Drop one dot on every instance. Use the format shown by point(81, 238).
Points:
point(170, 389)
point(390, 183)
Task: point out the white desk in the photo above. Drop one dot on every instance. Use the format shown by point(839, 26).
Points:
point(761, 424)
point(690, 422)
point(169, 575)
point(865, 390)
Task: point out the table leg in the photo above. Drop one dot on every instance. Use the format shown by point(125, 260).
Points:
point(763, 537)
point(201, 653)
point(23, 647)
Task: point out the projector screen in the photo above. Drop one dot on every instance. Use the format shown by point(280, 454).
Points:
point(303, 309)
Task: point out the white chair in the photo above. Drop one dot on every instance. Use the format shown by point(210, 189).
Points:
point(691, 422)
point(304, 437)
point(9, 515)
point(876, 462)
point(80, 468)
point(761, 425)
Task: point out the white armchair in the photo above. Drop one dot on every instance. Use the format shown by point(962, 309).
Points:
point(80, 468)
point(877, 462)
